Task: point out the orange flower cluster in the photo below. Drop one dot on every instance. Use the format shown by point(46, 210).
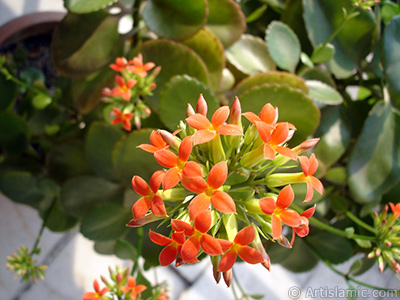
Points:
point(206, 165)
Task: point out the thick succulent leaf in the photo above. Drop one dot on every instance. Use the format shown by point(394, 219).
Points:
point(57, 220)
point(250, 55)
point(323, 93)
point(86, 6)
point(125, 250)
point(283, 46)
point(354, 41)
point(177, 94)
point(293, 107)
point(374, 166)
point(317, 74)
point(128, 160)
point(391, 58)
point(211, 51)
point(13, 133)
point(8, 93)
point(334, 134)
point(106, 222)
point(323, 53)
point(99, 144)
point(67, 160)
point(226, 20)
point(274, 77)
point(175, 19)
point(174, 59)
point(81, 194)
point(75, 47)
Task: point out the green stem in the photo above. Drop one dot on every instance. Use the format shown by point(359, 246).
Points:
point(136, 20)
point(360, 222)
point(46, 218)
point(350, 16)
point(139, 245)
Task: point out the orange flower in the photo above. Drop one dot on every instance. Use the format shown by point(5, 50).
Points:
point(157, 143)
point(207, 130)
point(280, 212)
point(97, 294)
point(268, 116)
point(197, 237)
point(124, 118)
point(120, 64)
point(150, 200)
point(173, 246)
point(138, 67)
point(302, 230)
point(132, 288)
point(309, 167)
point(168, 159)
point(208, 191)
point(395, 208)
point(123, 88)
point(239, 247)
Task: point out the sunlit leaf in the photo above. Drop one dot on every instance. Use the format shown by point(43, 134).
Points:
point(86, 6)
point(323, 93)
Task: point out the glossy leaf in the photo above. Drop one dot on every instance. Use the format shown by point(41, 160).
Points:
point(81, 194)
point(8, 93)
point(211, 51)
point(250, 55)
point(75, 48)
point(323, 93)
point(323, 53)
point(175, 19)
point(274, 77)
point(174, 59)
point(86, 6)
point(128, 160)
point(283, 46)
point(354, 41)
point(99, 144)
point(334, 134)
point(177, 94)
point(226, 20)
point(374, 165)
point(106, 222)
point(67, 160)
point(293, 106)
point(13, 133)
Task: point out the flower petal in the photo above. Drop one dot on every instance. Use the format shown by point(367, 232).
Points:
point(89, 296)
point(230, 129)
point(166, 158)
point(264, 130)
point(171, 178)
point(203, 136)
point(316, 184)
point(309, 212)
point(252, 117)
point(269, 153)
point(290, 217)
point(269, 114)
point(192, 169)
point(210, 245)
point(220, 116)
point(225, 244)
point(305, 164)
point(157, 140)
point(313, 164)
point(190, 249)
point(302, 231)
point(203, 221)
point(285, 151)
point(155, 180)
point(245, 236)
point(168, 255)
point(276, 227)
point(195, 184)
point(185, 148)
point(179, 225)
point(140, 208)
point(148, 148)
point(140, 186)
point(198, 121)
point(250, 255)
point(227, 261)
point(157, 207)
point(285, 197)
point(223, 202)
point(159, 239)
point(267, 205)
point(280, 134)
point(200, 203)
point(217, 175)
point(310, 191)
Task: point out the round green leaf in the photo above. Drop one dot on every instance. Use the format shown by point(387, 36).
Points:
point(128, 160)
point(334, 134)
point(83, 44)
point(81, 194)
point(86, 6)
point(354, 41)
point(125, 250)
point(211, 51)
point(294, 107)
point(323, 53)
point(57, 219)
point(41, 101)
point(13, 133)
point(174, 59)
point(250, 55)
point(67, 160)
point(283, 46)
point(317, 74)
point(175, 19)
point(8, 93)
point(105, 247)
point(226, 20)
point(374, 166)
point(274, 77)
point(323, 93)
point(177, 94)
point(106, 222)
point(99, 144)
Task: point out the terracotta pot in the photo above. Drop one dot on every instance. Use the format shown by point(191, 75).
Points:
point(29, 25)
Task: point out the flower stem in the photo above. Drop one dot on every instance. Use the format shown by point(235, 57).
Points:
point(39, 236)
point(360, 222)
point(139, 245)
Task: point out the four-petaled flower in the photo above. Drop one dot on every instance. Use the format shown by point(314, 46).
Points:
point(157, 143)
point(124, 118)
point(280, 212)
point(97, 294)
point(197, 237)
point(173, 246)
point(151, 199)
point(302, 230)
point(395, 208)
point(132, 288)
point(124, 88)
point(208, 191)
point(207, 130)
point(310, 166)
point(138, 67)
point(168, 159)
point(239, 247)
point(268, 116)
point(120, 64)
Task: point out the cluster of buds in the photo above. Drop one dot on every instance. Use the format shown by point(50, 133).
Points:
point(131, 83)
point(22, 264)
point(122, 287)
point(388, 238)
point(218, 187)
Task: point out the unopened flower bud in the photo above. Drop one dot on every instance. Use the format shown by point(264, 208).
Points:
point(170, 139)
point(280, 179)
point(216, 273)
point(371, 254)
point(118, 278)
point(104, 280)
point(378, 252)
point(388, 243)
point(381, 264)
point(189, 111)
point(305, 146)
point(156, 71)
point(228, 277)
point(283, 241)
point(201, 106)
point(236, 113)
